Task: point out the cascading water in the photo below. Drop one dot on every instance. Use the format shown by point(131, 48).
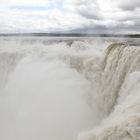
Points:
point(55, 91)
point(120, 90)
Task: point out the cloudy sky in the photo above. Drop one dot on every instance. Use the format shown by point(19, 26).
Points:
point(90, 16)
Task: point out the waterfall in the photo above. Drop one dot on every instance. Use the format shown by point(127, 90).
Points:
point(120, 91)
point(67, 89)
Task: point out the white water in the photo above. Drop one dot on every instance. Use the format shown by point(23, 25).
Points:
point(56, 91)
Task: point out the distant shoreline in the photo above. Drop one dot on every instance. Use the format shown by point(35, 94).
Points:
point(67, 35)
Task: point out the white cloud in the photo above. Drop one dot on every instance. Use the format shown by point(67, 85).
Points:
point(66, 15)
point(108, 13)
point(20, 2)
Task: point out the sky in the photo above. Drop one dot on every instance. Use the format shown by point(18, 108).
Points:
point(86, 16)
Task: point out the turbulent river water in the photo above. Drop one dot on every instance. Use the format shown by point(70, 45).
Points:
point(68, 89)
